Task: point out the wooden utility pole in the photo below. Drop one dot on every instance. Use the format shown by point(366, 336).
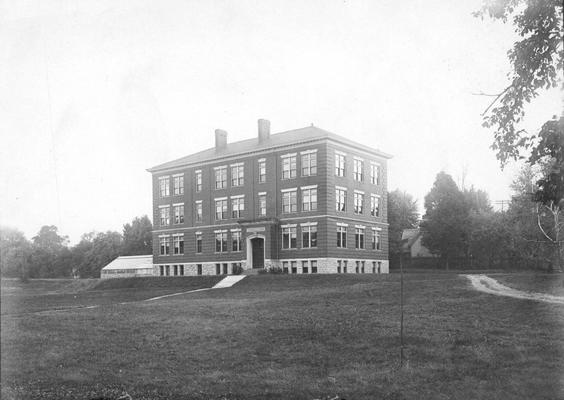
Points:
point(401, 309)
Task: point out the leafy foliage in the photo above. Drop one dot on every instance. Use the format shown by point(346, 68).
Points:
point(14, 252)
point(138, 237)
point(537, 63)
point(402, 214)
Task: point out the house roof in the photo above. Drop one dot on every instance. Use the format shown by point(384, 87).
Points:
point(130, 262)
point(411, 236)
point(281, 139)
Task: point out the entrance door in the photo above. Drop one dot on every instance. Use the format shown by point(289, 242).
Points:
point(258, 252)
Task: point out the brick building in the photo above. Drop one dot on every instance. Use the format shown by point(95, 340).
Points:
point(306, 201)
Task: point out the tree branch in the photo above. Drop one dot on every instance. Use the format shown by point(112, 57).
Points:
point(497, 98)
point(540, 225)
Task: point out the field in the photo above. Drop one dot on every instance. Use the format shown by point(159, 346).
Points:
point(281, 337)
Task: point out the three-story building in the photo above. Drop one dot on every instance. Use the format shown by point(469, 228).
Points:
point(305, 201)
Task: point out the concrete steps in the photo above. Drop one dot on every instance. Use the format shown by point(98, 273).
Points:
point(228, 281)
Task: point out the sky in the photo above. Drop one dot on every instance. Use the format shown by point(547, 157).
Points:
point(92, 93)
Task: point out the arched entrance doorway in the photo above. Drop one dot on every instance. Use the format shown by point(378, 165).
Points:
point(255, 251)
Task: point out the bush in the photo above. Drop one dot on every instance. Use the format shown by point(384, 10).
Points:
point(237, 269)
point(272, 270)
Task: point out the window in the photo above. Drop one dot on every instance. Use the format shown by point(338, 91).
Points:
point(178, 184)
point(175, 270)
point(199, 212)
point(362, 267)
point(374, 174)
point(357, 267)
point(164, 244)
point(289, 237)
point(237, 174)
point(342, 236)
point(374, 205)
point(165, 215)
point(218, 269)
point(236, 240)
point(314, 266)
point(221, 209)
point(340, 164)
point(199, 269)
point(309, 236)
point(294, 266)
point(358, 167)
point(309, 163)
point(181, 266)
point(221, 241)
point(341, 199)
point(359, 238)
point(376, 239)
point(285, 266)
point(304, 267)
point(290, 201)
point(338, 266)
point(237, 206)
point(164, 186)
point(309, 199)
point(178, 213)
point(198, 242)
point(161, 270)
point(225, 269)
point(379, 266)
point(167, 269)
point(289, 166)
point(262, 204)
point(345, 266)
point(178, 244)
point(262, 170)
point(198, 181)
point(221, 177)
point(358, 202)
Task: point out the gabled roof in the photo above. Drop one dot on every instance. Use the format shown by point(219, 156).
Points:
point(281, 139)
point(411, 236)
point(130, 262)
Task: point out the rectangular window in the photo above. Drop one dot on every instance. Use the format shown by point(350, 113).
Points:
point(362, 267)
point(237, 207)
point(345, 266)
point(236, 240)
point(198, 242)
point(338, 266)
point(167, 269)
point(221, 209)
point(359, 238)
point(374, 174)
point(165, 215)
point(339, 165)
point(220, 242)
point(342, 236)
point(294, 266)
point(225, 269)
point(358, 170)
point(199, 212)
point(376, 240)
point(218, 269)
point(358, 202)
point(198, 181)
point(290, 202)
point(237, 175)
point(179, 214)
point(374, 205)
point(289, 237)
point(199, 269)
point(309, 236)
point(161, 270)
point(178, 244)
point(164, 186)
point(341, 199)
point(309, 199)
point(262, 170)
point(379, 266)
point(181, 269)
point(178, 184)
point(221, 177)
point(285, 267)
point(357, 267)
point(313, 266)
point(289, 167)
point(262, 205)
point(304, 267)
point(309, 164)
point(164, 244)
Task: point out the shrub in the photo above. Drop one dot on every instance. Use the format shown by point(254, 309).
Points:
point(237, 269)
point(271, 270)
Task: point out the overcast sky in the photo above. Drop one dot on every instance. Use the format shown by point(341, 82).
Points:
point(94, 92)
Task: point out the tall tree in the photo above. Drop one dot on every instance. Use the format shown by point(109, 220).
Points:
point(48, 257)
point(402, 214)
point(443, 225)
point(537, 62)
point(96, 251)
point(138, 237)
point(14, 253)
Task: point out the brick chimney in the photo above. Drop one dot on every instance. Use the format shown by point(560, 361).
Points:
point(220, 139)
point(263, 130)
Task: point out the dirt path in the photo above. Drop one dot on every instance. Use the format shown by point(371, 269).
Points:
point(489, 285)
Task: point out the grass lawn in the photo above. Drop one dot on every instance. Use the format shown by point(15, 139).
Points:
point(551, 283)
point(285, 337)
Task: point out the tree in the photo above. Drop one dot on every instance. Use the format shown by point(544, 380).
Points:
point(537, 63)
point(14, 253)
point(95, 251)
point(444, 222)
point(138, 237)
point(402, 214)
point(49, 254)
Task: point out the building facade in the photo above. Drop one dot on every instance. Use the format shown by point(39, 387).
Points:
point(305, 201)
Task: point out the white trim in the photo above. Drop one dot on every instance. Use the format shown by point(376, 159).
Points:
point(375, 195)
point(376, 163)
point(288, 155)
point(261, 194)
point(178, 234)
point(308, 151)
point(164, 177)
point(236, 230)
point(358, 158)
point(308, 187)
point(341, 188)
point(161, 236)
point(220, 231)
point(198, 171)
point(342, 224)
point(261, 160)
point(165, 206)
point(359, 191)
point(177, 175)
point(360, 226)
point(198, 233)
point(239, 196)
point(376, 229)
point(309, 224)
point(289, 190)
point(341, 153)
point(239, 164)
point(177, 204)
point(220, 167)
point(198, 201)
point(220, 198)
point(289, 226)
